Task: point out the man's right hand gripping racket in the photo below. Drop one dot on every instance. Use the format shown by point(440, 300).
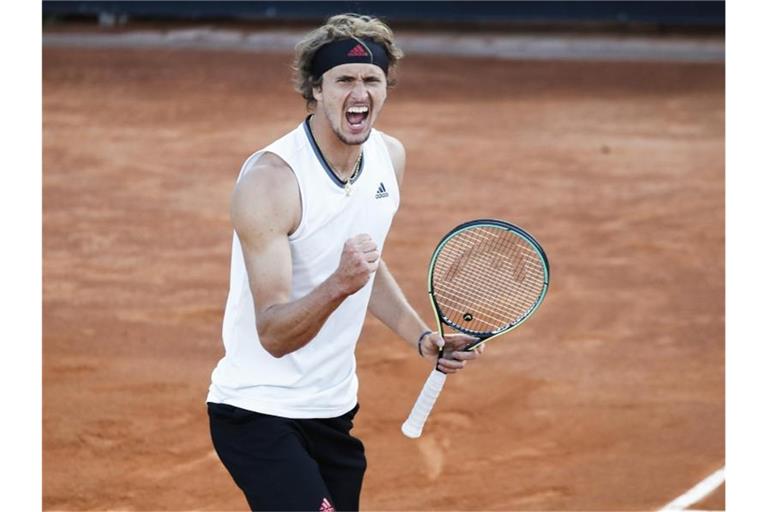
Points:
point(486, 278)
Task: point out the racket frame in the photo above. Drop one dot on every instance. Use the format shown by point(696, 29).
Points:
point(484, 337)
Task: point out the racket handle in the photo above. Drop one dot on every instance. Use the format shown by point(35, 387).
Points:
point(415, 423)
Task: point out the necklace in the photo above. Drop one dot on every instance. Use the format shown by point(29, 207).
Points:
point(358, 164)
point(348, 183)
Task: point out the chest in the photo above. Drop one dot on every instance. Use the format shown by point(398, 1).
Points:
point(331, 215)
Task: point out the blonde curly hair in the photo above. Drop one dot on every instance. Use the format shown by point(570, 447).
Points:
point(341, 26)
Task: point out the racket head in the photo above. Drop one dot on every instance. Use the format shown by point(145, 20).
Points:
point(487, 277)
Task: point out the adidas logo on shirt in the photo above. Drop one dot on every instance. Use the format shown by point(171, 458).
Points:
point(381, 192)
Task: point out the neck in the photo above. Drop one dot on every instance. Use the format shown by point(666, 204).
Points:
point(340, 156)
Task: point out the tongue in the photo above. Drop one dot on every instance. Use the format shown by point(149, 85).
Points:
point(355, 118)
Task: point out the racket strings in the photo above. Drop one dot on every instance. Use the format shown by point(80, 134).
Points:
point(489, 316)
point(501, 300)
point(486, 278)
point(473, 293)
point(468, 262)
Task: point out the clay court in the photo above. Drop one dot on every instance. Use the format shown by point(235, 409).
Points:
point(610, 398)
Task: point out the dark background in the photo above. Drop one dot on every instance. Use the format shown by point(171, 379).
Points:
point(655, 16)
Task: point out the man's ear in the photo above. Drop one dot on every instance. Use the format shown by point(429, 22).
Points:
point(317, 91)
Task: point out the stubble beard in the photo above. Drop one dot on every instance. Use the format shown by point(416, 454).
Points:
point(346, 140)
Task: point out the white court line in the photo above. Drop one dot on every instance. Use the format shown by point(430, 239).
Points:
point(697, 492)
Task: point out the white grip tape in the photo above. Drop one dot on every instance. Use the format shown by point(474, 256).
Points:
point(423, 406)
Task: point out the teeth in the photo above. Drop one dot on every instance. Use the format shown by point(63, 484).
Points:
point(357, 110)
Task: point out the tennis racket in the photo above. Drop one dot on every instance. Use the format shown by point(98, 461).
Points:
point(486, 277)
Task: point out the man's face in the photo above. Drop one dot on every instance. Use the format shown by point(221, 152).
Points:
point(351, 97)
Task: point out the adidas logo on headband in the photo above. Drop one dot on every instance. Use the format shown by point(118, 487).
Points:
point(349, 51)
point(357, 51)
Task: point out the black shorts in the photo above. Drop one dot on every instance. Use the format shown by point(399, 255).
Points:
point(290, 464)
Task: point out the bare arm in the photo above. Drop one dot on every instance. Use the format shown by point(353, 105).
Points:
point(389, 304)
point(266, 208)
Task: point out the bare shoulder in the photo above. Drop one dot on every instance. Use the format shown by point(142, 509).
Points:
point(397, 154)
point(266, 199)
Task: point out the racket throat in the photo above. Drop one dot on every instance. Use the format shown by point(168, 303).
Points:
point(437, 361)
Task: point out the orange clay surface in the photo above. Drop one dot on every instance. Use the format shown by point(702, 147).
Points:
point(610, 398)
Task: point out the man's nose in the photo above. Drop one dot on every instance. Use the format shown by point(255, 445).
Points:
point(360, 91)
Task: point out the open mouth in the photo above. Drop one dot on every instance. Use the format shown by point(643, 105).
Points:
point(357, 115)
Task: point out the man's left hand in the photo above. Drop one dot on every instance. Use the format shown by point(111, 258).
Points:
point(454, 358)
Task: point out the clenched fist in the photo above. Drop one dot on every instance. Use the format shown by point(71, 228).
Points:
point(359, 259)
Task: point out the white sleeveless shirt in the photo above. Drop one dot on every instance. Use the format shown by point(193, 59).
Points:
point(319, 380)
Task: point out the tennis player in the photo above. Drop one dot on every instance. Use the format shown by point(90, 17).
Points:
point(311, 212)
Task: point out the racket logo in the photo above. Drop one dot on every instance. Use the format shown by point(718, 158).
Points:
point(458, 265)
point(522, 272)
point(471, 257)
